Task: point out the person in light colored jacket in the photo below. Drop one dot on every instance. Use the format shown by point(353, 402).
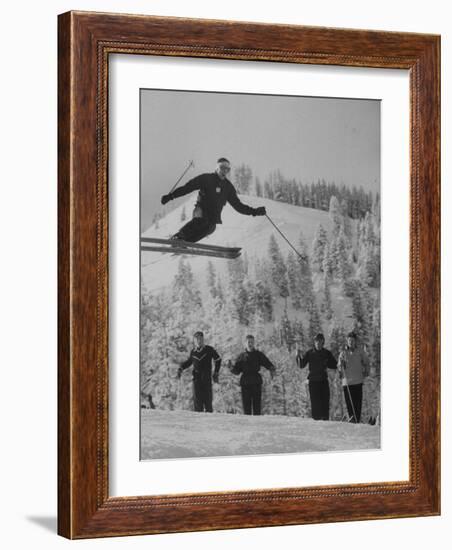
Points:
point(353, 366)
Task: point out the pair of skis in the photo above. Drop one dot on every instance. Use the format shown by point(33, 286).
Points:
point(179, 247)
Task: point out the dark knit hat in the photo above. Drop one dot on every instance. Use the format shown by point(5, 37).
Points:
point(351, 334)
point(223, 159)
point(319, 337)
point(198, 333)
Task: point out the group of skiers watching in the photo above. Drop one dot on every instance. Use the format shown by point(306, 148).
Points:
point(352, 365)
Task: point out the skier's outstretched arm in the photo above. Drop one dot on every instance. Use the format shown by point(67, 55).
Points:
point(192, 185)
point(242, 208)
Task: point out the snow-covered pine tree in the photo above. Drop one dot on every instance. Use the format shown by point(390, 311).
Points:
point(211, 279)
point(299, 334)
point(369, 229)
point(306, 288)
point(372, 265)
point(236, 272)
point(315, 325)
point(286, 330)
point(376, 340)
point(360, 317)
point(161, 353)
point(326, 306)
point(335, 214)
point(319, 245)
point(336, 337)
point(219, 291)
point(293, 275)
point(336, 343)
point(268, 190)
point(263, 300)
point(328, 259)
point(258, 187)
point(376, 212)
point(241, 303)
point(278, 268)
point(242, 179)
point(346, 222)
point(184, 288)
point(236, 290)
point(343, 264)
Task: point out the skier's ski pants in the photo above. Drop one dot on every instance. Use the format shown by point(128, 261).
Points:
point(196, 229)
point(356, 393)
point(202, 395)
point(251, 398)
point(319, 393)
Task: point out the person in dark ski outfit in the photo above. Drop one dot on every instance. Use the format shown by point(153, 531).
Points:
point(353, 367)
point(319, 360)
point(248, 365)
point(201, 357)
point(214, 191)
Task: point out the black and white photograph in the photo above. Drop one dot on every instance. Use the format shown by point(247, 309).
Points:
point(260, 274)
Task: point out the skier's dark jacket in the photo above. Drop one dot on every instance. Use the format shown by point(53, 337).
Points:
point(319, 361)
point(213, 195)
point(202, 363)
point(248, 363)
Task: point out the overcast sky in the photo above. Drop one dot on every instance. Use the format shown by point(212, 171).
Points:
point(305, 138)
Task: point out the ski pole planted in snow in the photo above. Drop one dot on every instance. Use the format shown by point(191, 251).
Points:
point(302, 256)
point(345, 382)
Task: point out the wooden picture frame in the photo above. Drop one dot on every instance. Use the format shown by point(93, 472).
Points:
point(85, 42)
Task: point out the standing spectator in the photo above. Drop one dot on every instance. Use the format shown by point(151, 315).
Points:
point(248, 365)
point(353, 367)
point(319, 359)
point(201, 357)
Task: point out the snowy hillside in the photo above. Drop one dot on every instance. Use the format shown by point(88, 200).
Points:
point(284, 300)
point(251, 233)
point(184, 434)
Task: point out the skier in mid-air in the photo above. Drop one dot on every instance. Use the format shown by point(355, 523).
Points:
point(214, 190)
point(201, 357)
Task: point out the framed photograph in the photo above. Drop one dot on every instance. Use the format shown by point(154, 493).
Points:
point(248, 275)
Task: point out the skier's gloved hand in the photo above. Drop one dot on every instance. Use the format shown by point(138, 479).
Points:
point(260, 211)
point(215, 377)
point(166, 198)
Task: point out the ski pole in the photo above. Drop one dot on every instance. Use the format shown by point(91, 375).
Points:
point(351, 401)
point(191, 163)
point(349, 393)
point(284, 237)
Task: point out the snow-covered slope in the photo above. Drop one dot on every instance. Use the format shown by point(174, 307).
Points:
point(183, 434)
point(251, 233)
